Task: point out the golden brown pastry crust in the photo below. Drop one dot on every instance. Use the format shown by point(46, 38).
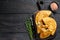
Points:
point(46, 25)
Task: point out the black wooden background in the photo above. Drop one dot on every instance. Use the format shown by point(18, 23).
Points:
point(13, 14)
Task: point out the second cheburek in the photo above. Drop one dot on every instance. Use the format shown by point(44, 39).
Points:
point(45, 24)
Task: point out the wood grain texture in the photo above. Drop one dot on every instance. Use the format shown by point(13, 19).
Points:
point(13, 14)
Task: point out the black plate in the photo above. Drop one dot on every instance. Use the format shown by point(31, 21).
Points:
point(35, 35)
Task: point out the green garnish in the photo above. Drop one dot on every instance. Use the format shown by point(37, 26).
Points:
point(29, 28)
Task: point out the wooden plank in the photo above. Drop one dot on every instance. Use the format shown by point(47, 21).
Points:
point(17, 6)
point(13, 22)
point(14, 36)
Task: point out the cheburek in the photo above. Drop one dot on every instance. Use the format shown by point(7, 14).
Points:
point(51, 24)
point(41, 14)
point(45, 33)
point(46, 25)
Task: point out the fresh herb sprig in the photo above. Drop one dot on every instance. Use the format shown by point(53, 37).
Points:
point(29, 28)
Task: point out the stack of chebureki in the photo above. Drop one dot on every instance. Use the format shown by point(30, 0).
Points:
point(45, 25)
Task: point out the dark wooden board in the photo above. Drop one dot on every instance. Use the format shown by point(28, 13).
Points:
point(13, 14)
